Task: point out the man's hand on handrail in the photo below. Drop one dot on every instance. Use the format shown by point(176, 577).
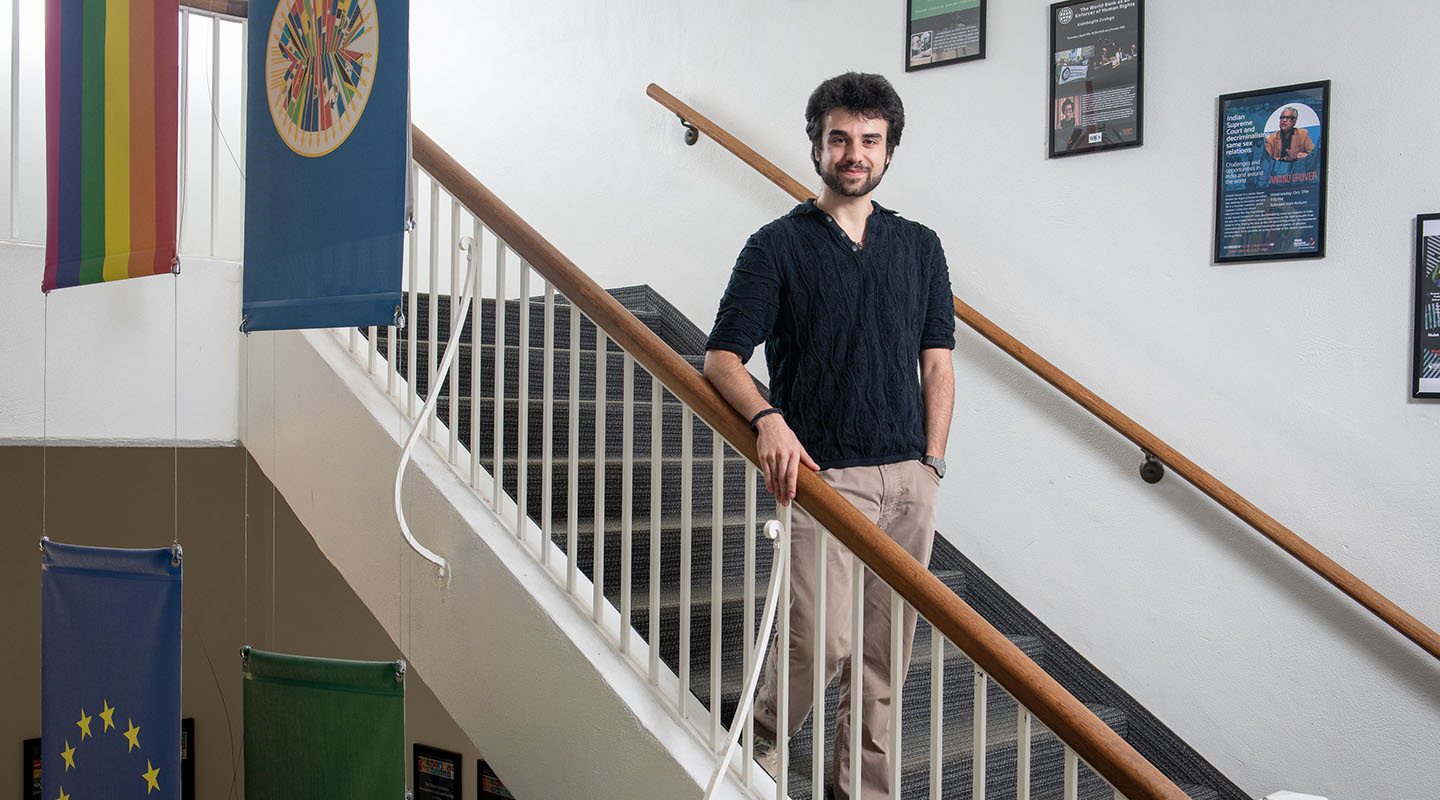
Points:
point(780, 453)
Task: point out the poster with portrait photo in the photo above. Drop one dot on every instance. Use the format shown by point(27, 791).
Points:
point(1271, 174)
point(1096, 76)
point(1426, 380)
point(939, 32)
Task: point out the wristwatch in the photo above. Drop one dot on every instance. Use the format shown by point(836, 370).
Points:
point(936, 463)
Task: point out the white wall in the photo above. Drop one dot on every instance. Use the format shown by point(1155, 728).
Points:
point(1288, 380)
point(142, 361)
point(519, 665)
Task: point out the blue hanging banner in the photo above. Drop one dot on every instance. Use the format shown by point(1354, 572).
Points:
point(327, 163)
point(110, 673)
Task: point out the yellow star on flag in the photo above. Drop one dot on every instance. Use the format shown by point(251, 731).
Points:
point(107, 714)
point(63, 796)
point(133, 735)
point(150, 783)
point(69, 755)
point(84, 724)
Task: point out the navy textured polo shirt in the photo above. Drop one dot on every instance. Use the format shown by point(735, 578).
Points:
point(843, 328)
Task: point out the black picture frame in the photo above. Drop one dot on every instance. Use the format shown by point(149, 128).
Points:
point(435, 774)
point(30, 769)
point(1270, 198)
point(1096, 63)
point(488, 785)
point(944, 32)
point(187, 758)
point(1425, 376)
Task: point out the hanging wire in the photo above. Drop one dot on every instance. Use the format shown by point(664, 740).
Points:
point(274, 453)
point(245, 459)
point(175, 400)
point(45, 423)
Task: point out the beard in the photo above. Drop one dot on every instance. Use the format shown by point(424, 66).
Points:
point(847, 187)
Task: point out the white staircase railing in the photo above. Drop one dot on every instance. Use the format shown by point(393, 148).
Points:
point(442, 227)
point(511, 285)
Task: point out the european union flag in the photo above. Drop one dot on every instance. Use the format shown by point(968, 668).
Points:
point(110, 673)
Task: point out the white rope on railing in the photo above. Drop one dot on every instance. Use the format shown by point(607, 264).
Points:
point(774, 530)
point(468, 245)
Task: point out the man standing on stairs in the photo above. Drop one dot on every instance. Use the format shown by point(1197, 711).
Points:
point(853, 304)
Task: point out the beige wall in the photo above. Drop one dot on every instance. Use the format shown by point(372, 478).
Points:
point(235, 592)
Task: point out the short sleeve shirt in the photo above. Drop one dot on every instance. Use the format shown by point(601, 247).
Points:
point(843, 327)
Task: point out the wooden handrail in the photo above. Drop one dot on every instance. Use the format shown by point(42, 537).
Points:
point(1061, 713)
point(239, 9)
point(1324, 566)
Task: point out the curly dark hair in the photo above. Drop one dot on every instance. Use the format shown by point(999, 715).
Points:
point(864, 93)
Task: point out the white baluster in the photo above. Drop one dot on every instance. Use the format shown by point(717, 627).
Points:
point(477, 314)
point(456, 290)
point(572, 485)
point(897, 686)
point(1072, 775)
point(782, 663)
point(977, 774)
point(656, 421)
point(433, 342)
point(717, 553)
point(687, 476)
point(817, 666)
point(547, 430)
point(598, 598)
point(372, 350)
point(498, 362)
point(747, 612)
point(937, 712)
point(857, 668)
point(1022, 755)
point(522, 406)
point(627, 490)
point(414, 316)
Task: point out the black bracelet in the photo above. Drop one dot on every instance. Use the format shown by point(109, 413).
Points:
point(762, 413)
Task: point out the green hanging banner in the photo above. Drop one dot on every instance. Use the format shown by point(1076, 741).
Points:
point(320, 727)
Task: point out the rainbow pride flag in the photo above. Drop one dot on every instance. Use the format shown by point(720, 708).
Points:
point(111, 108)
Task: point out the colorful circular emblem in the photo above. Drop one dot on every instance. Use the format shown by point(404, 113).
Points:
point(319, 69)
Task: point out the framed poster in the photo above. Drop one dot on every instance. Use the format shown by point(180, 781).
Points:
point(187, 758)
point(1426, 380)
point(941, 32)
point(1097, 86)
point(1270, 173)
point(488, 785)
point(435, 773)
point(30, 769)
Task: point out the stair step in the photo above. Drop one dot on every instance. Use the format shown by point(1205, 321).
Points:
point(463, 364)
point(486, 308)
point(958, 759)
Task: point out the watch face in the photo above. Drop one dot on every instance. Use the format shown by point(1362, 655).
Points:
point(319, 69)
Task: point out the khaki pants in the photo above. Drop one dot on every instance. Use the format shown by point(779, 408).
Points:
point(900, 499)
